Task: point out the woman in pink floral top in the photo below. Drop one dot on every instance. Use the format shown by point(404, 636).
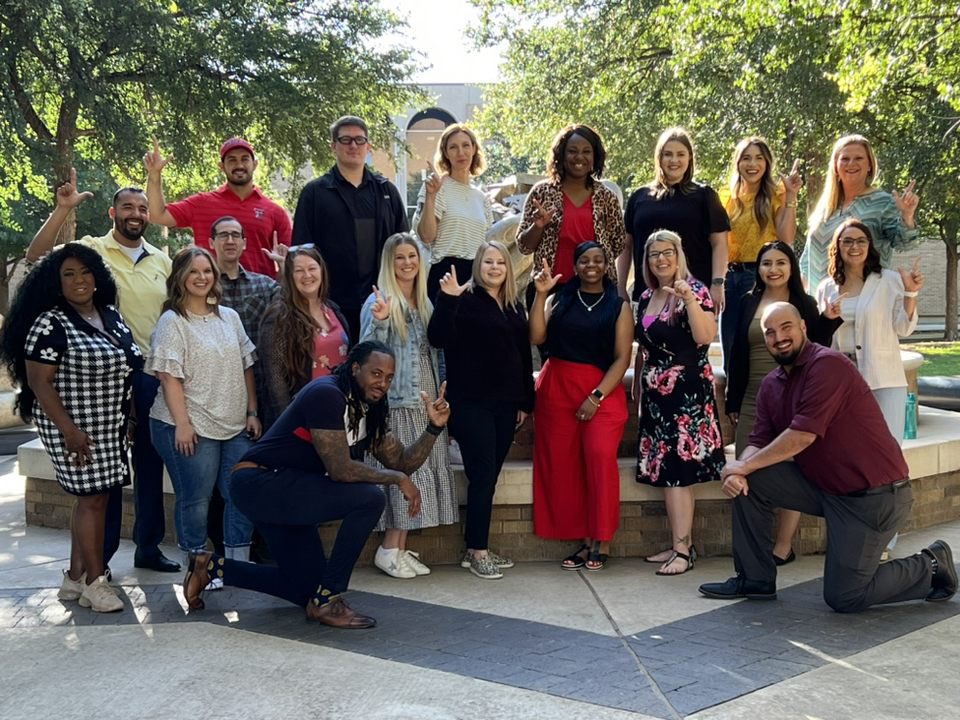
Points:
point(679, 442)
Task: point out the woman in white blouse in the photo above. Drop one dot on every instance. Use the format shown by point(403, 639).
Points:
point(205, 416)
point(877, 307)
point(452, 215)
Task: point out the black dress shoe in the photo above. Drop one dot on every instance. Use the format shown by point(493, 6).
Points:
point(158, 562)
point(944, 583)
point(740, 587)
point(784, 561)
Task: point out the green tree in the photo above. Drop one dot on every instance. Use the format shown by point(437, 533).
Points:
point(87, 82)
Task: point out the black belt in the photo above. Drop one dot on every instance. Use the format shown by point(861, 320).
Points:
point(891, 488)
point(741, 267)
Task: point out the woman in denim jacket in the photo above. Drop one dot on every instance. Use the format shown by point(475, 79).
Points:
point(397, 314)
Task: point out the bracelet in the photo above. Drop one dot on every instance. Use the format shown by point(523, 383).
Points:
point(791, 204)
point(593, 400)
point(911, 294)
point(718, 282)
point(251, 413)
point(434, 430)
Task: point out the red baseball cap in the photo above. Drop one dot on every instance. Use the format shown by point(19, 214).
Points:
point(234, 143)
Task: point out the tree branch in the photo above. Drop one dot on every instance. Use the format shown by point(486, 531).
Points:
point(23, 103)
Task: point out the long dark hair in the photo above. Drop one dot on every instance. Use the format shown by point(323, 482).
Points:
point(763, 202)
point(40, 291)
point(295, 325)
point(835, 267)
point(567, 295)
point(794, 282)
point(376, 413)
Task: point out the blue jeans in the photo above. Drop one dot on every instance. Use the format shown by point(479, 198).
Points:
point(287, 505)
point(738, 283)
point(194, 478)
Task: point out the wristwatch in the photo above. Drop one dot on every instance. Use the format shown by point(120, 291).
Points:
point(717, 282)
point(597, 395)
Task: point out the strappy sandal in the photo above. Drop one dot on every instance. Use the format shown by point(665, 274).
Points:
point(677, 555)
point(575, 561)
point(596, 559)
point(200, 570)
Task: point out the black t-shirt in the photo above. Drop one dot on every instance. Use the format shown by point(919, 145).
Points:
point(585, 336)
point(320, 405)
point(693, 215)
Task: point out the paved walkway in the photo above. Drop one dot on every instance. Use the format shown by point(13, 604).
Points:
point(541, 643)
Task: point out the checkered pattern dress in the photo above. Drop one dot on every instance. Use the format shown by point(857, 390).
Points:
point(93, 380)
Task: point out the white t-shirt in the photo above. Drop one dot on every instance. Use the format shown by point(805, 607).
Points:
point(463, 215)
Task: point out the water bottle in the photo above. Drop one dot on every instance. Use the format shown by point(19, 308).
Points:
point(910, 421)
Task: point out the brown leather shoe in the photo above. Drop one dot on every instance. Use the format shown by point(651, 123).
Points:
point(338, 614)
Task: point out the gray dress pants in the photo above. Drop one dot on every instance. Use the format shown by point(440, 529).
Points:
point(858, 529)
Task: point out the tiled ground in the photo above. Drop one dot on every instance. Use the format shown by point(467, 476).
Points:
point(668, 671)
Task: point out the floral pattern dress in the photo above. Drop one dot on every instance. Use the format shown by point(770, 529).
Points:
point(679, 439)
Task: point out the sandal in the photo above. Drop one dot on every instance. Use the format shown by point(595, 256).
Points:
point(575, 561)
point(198, 577)
point(669, 558)
point(677, 555)
point(596, 559)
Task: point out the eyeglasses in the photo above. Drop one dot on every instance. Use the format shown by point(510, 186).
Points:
point(228, 236)
point(657, 254)
point(850, 242)
point(305, 246)
point(358, 140)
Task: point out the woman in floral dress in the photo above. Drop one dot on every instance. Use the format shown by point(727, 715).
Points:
point(680, 443)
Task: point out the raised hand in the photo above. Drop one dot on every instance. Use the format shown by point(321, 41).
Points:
point(381, 305)
point(449, 285)
point(544, 281)
point(792, 182)
point(279, 252)
point(907, 202)
point(832, 310)
point(154, 161)
point(67, 194)
point(433, 181)
point(912, 278)
point(437, 410)
point(542, 217)
point(681, 289)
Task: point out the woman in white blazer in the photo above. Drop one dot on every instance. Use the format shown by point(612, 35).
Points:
point(877, 307)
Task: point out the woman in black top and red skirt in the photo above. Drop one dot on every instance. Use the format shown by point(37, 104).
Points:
point(581, 407)
point(482, 328)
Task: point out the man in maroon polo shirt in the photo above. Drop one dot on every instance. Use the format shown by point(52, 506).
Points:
point(847, 468)
point(265, 222)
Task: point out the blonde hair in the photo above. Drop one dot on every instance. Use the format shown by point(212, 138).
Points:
point(477, 164)
point(832, 196)
point(391, 288)
point(508, 291)
point(668, 236)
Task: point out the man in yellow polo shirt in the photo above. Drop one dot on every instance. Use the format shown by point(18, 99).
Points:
point(140, 271)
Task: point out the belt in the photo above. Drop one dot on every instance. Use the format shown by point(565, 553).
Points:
point(247, 465)
point(741, 266)
point(880, 490)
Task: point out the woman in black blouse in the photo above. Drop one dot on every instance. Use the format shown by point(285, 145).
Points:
point(482, 328)
point(581, 406)
point(675, 201)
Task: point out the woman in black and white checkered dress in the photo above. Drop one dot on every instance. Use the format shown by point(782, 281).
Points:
point(72, 355)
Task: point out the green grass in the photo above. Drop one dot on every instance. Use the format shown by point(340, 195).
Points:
point(939, 358)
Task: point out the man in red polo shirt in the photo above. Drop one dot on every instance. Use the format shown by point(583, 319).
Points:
point(265, 222)
point(820, 445)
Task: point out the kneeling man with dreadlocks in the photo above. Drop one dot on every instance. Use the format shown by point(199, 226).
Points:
point(307, 470)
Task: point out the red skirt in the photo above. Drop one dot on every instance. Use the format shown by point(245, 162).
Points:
point(576, 481)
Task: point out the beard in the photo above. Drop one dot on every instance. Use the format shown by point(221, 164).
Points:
point(787, 359)
point(240, 179)
point(121, 227)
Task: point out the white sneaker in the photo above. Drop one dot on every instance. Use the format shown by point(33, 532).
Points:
point(214, 585)
point(391, 562)
point(71, 589)
point(100, 597)
point(412, 561)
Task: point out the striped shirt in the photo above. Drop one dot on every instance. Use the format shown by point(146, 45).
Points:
point(463, 215)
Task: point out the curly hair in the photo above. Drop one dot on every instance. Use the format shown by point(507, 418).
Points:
point(559, 148)
point(295, 326)
point(376, 413)
point(835, 268)
point(42, 290)
point(177, 281)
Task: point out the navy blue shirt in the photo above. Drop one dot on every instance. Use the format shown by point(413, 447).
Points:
point(320, 405)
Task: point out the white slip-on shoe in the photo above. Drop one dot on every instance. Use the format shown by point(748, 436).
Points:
point(391, 562)
point(100, 597)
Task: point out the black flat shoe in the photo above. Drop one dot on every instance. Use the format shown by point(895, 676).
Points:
point(739, 587)
point(784, 561)
point(158, 563)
